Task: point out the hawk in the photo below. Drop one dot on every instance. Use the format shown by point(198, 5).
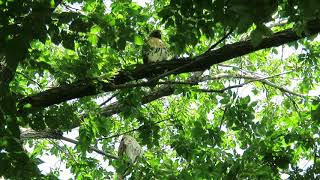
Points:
point(154, 50)
point(130, 147)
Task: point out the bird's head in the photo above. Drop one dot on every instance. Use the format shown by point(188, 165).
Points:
point(156, 34)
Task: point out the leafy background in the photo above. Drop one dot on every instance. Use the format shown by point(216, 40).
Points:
point(255, 116)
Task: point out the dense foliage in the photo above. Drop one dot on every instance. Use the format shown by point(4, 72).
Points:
point(243, 108)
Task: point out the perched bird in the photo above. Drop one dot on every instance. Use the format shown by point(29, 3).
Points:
point(130, 147)
point(154, 50)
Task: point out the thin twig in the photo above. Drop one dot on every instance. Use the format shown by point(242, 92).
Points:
point(221, 121)
point(315, 158)
point(295, 106)
point(28, 78)
point(283, 89)
point(70, 7)
point(91, 148)
point(239, 68)
point(109, 99)
point(253, 79)
point(218, 42)
point(68, 154)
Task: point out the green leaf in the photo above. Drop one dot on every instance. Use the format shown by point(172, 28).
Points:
point(27, 105)
point(225, 100)
point(138, 40)
point(315, 114)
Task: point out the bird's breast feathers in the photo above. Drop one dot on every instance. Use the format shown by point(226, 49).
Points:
point(158, 50)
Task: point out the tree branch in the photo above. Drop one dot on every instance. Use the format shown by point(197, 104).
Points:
point(31, 134)
point(252, 79)
point(203, 62)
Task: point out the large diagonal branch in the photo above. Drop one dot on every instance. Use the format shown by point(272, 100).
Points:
point(202, 62)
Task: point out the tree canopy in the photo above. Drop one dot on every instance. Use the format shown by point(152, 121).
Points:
point(237, 100)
